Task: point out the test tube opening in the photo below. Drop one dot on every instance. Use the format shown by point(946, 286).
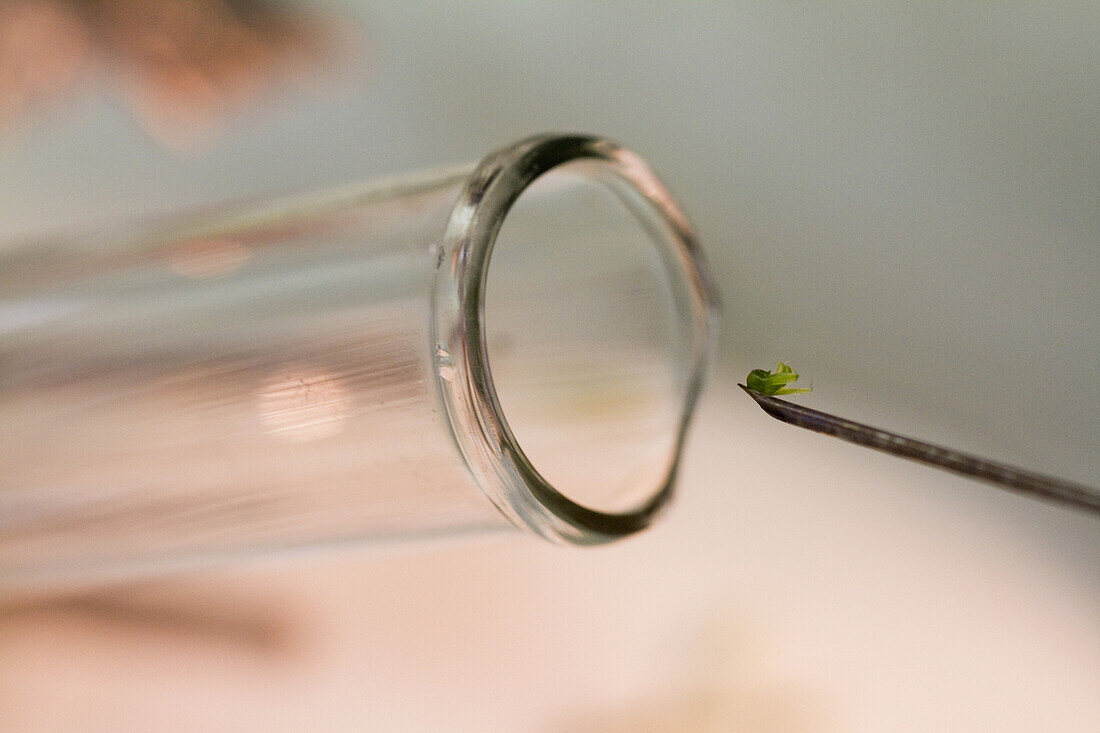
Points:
point(573, 314)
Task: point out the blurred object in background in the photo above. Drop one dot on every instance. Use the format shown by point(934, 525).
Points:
point(43, 46)
point(183, 67)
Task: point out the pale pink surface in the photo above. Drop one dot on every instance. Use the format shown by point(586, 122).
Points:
point(799, 584)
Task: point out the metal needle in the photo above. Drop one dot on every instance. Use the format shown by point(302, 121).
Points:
point(1015, 479)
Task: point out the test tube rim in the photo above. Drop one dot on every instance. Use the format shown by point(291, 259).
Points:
point(461, 360)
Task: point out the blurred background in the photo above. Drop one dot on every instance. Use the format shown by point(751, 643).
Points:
point(902, 201)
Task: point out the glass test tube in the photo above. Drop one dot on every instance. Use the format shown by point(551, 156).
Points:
point(353, 367)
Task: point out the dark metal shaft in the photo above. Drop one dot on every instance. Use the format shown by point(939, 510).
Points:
point(1024, 482)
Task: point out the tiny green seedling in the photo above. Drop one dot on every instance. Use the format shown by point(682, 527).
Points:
point(775, 383)
point(762, 384)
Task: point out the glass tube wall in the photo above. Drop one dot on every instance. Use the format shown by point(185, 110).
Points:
point(517, 343)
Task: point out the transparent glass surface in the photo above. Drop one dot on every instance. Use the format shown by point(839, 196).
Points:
point(517, 343)
point(583, 339)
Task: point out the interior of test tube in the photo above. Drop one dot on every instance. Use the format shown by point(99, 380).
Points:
point(588, 349)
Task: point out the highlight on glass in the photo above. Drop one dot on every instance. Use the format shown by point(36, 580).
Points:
point(518, 343)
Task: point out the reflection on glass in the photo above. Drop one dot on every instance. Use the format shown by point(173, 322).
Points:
point(208, 258)
point(303, 404)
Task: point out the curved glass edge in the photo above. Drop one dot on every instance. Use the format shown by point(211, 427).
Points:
point(478, 424)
